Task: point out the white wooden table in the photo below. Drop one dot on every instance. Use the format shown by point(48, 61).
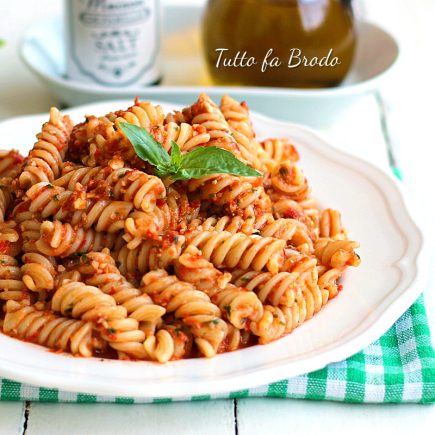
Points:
point(405, 123)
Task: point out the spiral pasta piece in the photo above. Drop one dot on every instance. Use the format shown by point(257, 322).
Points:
point(46, 157)
point(193, 268)
point(295, 315)
point(65, 275)
point(39, 271)
point(235, 339)
point(271, 326)
point(236, 224)
point(291, 230)
point(328, 281)
point(141, 189)
point(30, 233)
point(134, 186)
point(11, 283)
point(306, 305)
point(10, 243)
point(100, 271)
point(123, 184)
point(122, 335)
point(297, 262)
point(141, 226)
point(99, 140)
point(177, 296)
point(280, 289)
point(10, 163)
point(312, 214)
point(172, 342)
point(142, 113)
point(125, 337)
point(280, 150)
point(240, 305)
point(176, 211)
point(21, 212)
point(185, 135)
point(148, 255)
point(192, 306)
point(237, 304)
point(160, 347)
point(238, 250)
point(73, 174)
point(238, 118)
point(59, 239)
point(89, 303)
point(86, 302)
point(331, 226)
point(234, 193)
point(103, 214)
point(43, 327)
point(285, 207)
point(5, 200)
point(172, 214)
point(207, 114)
point(313, 295)
point(288, 181)
point(337, 253)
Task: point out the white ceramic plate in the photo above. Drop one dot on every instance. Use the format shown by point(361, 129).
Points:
point(184, 75)
point(374, 296)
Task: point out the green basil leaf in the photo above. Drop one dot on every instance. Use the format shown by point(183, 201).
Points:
point(164, 171)
point(176, 156)
point(205, 161)
point(145, 146)
point(198, 163)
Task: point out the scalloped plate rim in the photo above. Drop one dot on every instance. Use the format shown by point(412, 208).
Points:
point(386, 314)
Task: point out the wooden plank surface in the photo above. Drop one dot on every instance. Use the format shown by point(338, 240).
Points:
point(11, 418)
point(311, 418)
point(211, 418)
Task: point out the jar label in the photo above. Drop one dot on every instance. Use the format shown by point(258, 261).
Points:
point(114, 42)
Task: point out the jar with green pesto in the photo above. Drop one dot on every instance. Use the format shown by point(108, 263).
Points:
point(288, 43)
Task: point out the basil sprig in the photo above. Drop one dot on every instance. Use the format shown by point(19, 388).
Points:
point(200, 162)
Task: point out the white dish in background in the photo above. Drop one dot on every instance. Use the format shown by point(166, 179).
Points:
point(42, 50)
point(375, 294)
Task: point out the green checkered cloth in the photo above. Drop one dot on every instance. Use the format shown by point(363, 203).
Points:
point(397, 368)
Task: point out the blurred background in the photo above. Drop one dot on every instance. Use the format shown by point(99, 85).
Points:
point(408, 95)
point(406, 98)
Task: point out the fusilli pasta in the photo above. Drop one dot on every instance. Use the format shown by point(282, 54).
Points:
point(101, 257)
point(192, 306)
point(36, 325)
point(46, 157)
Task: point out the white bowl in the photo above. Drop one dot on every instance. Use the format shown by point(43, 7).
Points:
point(391, 276)
point(42, 50)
